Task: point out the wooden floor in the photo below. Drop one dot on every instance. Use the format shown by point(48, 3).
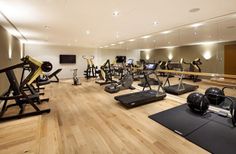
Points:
point(85, 119)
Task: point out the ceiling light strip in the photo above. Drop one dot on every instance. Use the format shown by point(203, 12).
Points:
point(5, 17)
point(210, 20)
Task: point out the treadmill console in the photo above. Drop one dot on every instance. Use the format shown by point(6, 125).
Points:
point(130, 62)
point(150, 66)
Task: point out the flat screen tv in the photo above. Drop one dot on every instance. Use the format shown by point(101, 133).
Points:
point(120, 59)
point(67, 59)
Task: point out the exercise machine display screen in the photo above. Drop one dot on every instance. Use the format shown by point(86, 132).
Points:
point(150, 66)
point(130, 61)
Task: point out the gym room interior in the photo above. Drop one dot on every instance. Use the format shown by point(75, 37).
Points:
point(117, 76)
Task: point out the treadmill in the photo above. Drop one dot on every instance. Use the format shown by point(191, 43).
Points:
point(144, 96)
point(180, 88)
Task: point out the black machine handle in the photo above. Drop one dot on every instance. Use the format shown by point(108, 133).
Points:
point(228, 87)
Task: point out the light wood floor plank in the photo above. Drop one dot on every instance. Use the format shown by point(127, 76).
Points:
point(85, 119)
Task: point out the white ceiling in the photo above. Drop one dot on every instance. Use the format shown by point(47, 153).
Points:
point(68, 21)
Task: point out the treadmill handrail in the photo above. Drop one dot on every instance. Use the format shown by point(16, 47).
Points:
point(146, 73)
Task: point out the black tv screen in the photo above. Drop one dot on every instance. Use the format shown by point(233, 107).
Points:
point(120, 59)
point(67, 59)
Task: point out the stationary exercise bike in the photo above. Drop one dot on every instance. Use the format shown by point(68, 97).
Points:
point(76, 80)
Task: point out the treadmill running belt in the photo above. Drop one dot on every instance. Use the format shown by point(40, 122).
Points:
point(173, 89)
point(211, 132)
point(139, 98)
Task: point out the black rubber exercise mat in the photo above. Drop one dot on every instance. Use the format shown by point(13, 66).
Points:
point(180, 120)
point(215, 137)
point(211, 132)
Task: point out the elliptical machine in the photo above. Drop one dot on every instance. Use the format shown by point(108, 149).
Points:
point(76, 80)
point(125, 82)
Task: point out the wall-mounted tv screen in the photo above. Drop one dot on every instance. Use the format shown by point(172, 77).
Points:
point(120, 59)
point(67, 59)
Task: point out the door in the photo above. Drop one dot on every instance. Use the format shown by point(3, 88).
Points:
point(230, 59)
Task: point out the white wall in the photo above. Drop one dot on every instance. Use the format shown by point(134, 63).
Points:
point(51, 53)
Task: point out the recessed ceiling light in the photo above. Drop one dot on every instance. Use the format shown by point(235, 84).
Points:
point(166, 32)
point(113, 44)
point(115, 13)
point(87, 32)
point(76, 40)
point(121, 42)
point(154, 40)
point(193, 10)
point(46, 27)
point(100, 47)
point(196, 25)
point(132, 40)
point(147, 36)
point(105, 46)
point(155, 23)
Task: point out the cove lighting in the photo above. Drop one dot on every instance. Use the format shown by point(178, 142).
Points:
point(132, 40)
point(166, 32)
point(196, 25)
point(147, 36)
point(207, 43)
point(170, 47)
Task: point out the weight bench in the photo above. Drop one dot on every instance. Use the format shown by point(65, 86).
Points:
point(54, 74)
